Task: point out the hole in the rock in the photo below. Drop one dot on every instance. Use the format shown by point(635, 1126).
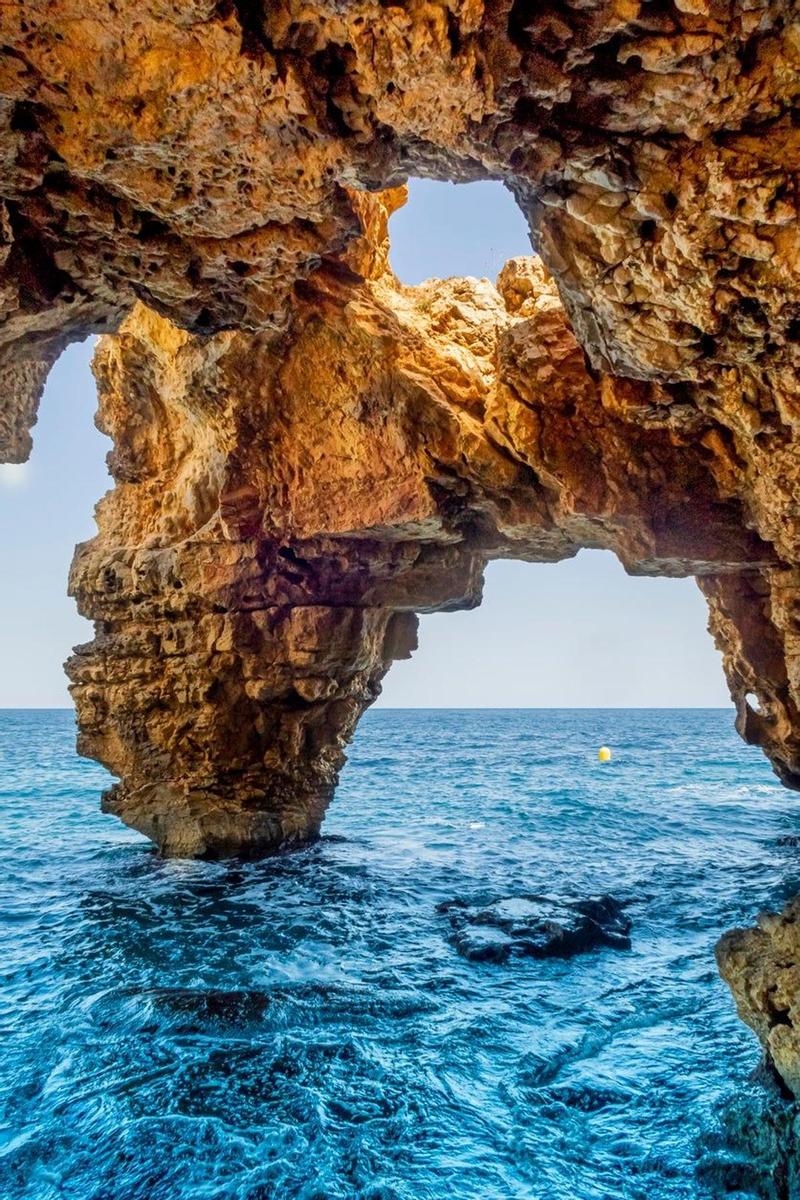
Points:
point(748, 55)
point(575, 634)
point(647, 230)
point(707, 345)
point(752, 700)
point(45, 509)
point(456, 229)
point(23, 117)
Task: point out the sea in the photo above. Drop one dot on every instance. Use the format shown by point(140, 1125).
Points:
point(307, 1027)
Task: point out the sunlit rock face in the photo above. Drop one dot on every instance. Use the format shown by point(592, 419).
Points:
point(285, 504)
point(762, 968)
point(196, 155)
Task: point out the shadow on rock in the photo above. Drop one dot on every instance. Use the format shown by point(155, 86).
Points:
point(535, 926)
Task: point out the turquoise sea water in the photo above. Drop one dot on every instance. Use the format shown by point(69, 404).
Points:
point(305, 1027)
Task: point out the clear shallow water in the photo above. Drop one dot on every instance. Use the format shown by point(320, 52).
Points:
point(303, 1028)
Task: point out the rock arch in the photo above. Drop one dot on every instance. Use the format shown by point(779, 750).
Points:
point(286, 503)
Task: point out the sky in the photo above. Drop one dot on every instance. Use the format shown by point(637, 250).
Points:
point(575, 634)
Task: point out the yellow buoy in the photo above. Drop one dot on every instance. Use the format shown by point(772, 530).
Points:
point(604, 754)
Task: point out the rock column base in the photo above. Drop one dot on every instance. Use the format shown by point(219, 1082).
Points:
point(228, 731)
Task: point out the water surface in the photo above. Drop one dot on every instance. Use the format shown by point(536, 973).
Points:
point(304, 1028)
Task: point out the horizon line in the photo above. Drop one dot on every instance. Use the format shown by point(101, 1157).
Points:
point(465, 708)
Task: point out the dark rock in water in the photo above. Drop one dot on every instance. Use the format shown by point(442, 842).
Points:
point(788, 839)
point(752, 1149)
point(483, 944)
point(212, 1004)
point(535, 927)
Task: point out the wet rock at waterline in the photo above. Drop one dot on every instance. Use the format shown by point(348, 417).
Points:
point(761, 966)
point(535, 926)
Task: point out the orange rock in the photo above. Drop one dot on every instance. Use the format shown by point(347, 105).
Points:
point(286, 502)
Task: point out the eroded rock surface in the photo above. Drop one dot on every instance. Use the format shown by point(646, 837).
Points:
point(200, 156)
point(762, 968)
point(286, 503)
point(307, 454)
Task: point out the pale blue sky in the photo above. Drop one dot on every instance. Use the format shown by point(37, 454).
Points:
point(577, 633)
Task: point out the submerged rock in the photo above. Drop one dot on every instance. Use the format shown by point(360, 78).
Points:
point(754, 1150)
point(234, 1007)
point(535, 926)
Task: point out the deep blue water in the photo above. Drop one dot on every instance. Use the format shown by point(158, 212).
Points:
point(356, 1054)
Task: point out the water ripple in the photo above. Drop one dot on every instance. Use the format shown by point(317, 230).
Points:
point(304, 1028)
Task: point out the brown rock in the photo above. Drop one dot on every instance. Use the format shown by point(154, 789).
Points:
point(761, 966)
point(286, 503)
point(306, 453)
point(196, 156)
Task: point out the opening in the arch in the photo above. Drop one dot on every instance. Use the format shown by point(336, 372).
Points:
point(46, 507)
point(513, 880)
point(576, 634)
point(447, 229)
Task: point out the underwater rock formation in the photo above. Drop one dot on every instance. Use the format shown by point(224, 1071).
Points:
point(536, 927)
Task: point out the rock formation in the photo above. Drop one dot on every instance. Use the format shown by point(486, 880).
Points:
point(286, 503)
point(533, 926)
point(762, 968)
point(306, 453)
point(197, 155)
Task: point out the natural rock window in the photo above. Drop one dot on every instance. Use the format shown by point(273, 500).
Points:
point(575, 634)
point(46, 506)
point(286, 505)
point(448, 229)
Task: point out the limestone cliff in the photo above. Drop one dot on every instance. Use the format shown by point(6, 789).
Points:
point(306, 454)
